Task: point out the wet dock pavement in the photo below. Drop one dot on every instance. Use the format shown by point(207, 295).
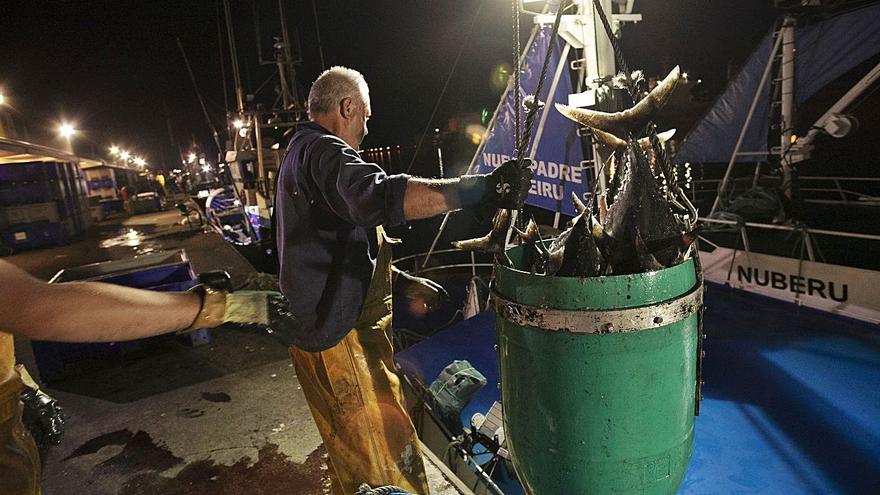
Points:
point(224, 418)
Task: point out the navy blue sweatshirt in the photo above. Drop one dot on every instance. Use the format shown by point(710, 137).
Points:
point(328, 204)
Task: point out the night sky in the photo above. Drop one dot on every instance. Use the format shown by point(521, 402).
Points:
point(114, 67)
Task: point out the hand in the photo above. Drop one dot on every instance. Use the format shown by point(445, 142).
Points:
point(266, 309)
point(506, 187)
point(43, 417)
point(419, 288)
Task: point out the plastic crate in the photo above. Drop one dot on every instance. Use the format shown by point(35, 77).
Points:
point(31, 213)
point(33, 235)
point(28, 172)
point(164, 271)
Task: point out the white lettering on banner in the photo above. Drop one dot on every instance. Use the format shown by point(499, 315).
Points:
point(546, 182)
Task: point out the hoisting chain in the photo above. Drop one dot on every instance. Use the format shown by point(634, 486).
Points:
point(516, 61)
point(522, 140)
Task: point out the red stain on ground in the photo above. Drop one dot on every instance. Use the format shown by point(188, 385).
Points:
point(273, 473)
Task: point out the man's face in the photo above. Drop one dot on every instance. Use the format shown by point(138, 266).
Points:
point(361, 117)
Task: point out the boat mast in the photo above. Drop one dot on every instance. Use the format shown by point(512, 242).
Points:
point(787, 106)
point(233, 55)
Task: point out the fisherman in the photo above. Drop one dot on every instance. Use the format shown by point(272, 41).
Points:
point(336, 270)
point(95, 312)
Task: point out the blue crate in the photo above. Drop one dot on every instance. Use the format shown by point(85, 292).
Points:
point(40, 234)
point(159, 272)
point(153, 277)
point(28, 172)
point(26, 192)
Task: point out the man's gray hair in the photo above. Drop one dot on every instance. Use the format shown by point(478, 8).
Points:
point(333, 85)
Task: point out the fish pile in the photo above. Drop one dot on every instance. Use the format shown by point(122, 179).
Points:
point(631, 227)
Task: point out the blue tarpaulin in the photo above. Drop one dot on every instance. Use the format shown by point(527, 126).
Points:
point(824, 51)
point(558, 169)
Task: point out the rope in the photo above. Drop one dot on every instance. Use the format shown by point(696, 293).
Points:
point(533, 110)
point(522, 140)
point(516, 71)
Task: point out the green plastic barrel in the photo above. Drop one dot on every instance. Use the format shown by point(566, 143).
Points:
point(598, 378)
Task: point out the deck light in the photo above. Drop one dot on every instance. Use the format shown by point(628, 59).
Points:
point(2, 99)
point(191, 157)
point(140, 162)
point(238, 123)
point(114, 150)
point(124, 155)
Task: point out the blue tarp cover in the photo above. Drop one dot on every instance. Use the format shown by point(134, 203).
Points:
point(824, 51)
point(558, 170)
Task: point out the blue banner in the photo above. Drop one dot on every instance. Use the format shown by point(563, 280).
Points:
point(558, 170)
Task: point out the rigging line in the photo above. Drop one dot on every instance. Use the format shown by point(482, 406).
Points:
point(201, 100)
point(464, 43)
point(318, 34)
point(517, 112)
point(222, 63)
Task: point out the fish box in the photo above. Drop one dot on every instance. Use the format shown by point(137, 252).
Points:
point(30, 213)
point(163, 271)
point(39, 234)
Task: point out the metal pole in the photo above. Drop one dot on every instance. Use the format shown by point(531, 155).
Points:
point(261, 169)
point(787, 108)
point(551, 96)
point(288, 56)
point(236, 75)
point(318, 35)
point(742, 134)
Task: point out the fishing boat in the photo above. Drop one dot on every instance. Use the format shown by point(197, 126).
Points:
point(782, 382)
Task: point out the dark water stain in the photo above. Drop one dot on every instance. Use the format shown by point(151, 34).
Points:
point(140, 453)
point(119, 437)
point(272, 474)
point(216, 397)
point(187, 412)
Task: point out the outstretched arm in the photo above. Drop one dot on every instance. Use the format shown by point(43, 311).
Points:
point(506, 187)
point(88, 311)
point(425, 198)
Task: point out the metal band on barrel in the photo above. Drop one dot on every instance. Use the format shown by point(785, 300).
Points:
point(600, 321)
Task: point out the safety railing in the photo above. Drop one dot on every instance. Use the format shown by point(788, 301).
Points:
point(814, 190)
point(807, 234)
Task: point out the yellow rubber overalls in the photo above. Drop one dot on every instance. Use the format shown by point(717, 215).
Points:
point(19, 460)
point(357, 401)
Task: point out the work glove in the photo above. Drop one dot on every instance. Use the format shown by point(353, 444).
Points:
point(42, 416)
point(266, 309)
point(506, 187)
point(420, 289)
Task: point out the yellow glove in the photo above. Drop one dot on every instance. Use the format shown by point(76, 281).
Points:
point(263, 308)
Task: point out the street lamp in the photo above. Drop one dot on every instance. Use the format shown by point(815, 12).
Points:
point(66, 130)
point(191, 157)
point(2, 99)
point(124, 155)
point(140, 162)
point(238, 123)
point(114, 150)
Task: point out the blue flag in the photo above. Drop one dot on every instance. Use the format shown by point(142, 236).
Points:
point(558, 160)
